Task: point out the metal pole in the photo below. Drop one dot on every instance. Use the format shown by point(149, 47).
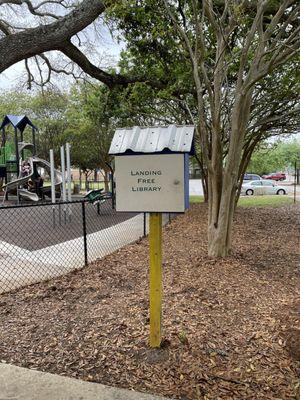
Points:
point(52, 177)
point(113, 191)
point(5, 157)
point(63, 172)
point(84, 233)
point(155, 239)
point(68, 171)
point(145, 222)
point(69, 177)
point(63, 178)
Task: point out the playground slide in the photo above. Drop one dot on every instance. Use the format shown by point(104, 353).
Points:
point(28, 195)
point(20, 181)
point(13, 185)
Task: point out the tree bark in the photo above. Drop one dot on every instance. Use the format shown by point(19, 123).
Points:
point(223, 180)
point(80, 178)
point(220, 230)
point(106, 181)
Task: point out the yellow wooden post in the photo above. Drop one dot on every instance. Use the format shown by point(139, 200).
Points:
point(155, 239)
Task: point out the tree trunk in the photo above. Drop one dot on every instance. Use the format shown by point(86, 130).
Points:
point(105, 173)
point(86, 181)
point(80, 179)
point(205, 188)
point(106, 180)
point(220, 222)
point(223, 180)
point(204, 177)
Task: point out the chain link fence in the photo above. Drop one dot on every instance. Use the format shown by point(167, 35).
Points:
point(39, 242)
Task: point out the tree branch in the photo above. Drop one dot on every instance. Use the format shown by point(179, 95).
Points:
point(28, 43)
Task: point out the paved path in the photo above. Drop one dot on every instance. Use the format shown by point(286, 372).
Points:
point(23, 384)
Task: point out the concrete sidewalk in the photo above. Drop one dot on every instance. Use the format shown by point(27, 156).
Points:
point(23, 384)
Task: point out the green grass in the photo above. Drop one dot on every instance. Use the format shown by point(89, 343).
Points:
point(92, 185)
point(264, 201)
point(196, 199)
point(254, 201)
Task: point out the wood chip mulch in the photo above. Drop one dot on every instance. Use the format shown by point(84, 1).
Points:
point(231, 326)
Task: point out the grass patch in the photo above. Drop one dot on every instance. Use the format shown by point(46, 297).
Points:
point(196, 199)
point(254, 201)
point(92, 185)
point(264, 201)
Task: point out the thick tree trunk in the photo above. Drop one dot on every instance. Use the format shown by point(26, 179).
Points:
point(220, 218)
point(223, 180)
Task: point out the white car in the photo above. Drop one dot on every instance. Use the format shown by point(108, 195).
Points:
point(263, 186)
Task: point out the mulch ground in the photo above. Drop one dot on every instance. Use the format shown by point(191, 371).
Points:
point(231, 326)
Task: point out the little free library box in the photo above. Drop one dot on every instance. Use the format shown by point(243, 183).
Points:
point(152, 168)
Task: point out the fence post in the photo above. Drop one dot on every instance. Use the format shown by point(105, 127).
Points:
point(84, 233)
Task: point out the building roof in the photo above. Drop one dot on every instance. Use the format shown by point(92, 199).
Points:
point(17, 121)
point(155, 139)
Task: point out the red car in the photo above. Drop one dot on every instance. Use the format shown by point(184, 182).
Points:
point(276, 176)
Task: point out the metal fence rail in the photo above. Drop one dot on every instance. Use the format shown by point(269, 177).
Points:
point(39, 242)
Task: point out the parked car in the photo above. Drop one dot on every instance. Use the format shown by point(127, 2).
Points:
point(275, 176)
point(251, 177)
point(262, 186)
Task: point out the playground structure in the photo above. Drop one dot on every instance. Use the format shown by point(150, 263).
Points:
point(21, 168)
point(23, 171)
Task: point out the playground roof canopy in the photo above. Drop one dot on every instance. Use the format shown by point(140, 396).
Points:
point(17, 121)
point(155, 139)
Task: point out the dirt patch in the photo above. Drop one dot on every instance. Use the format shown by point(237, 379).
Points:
point(230, 325)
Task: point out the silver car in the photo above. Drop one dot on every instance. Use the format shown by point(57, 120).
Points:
point(263, 186)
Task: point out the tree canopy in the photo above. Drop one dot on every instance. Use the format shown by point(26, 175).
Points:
point(229, 66)
point(223, 58)
point(273, 157)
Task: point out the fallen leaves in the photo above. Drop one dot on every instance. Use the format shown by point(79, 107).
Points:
point(231, 326)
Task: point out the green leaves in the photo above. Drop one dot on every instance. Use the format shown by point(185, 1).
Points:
point(276, 157)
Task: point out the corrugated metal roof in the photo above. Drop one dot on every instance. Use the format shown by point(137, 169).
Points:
point(153, 139)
